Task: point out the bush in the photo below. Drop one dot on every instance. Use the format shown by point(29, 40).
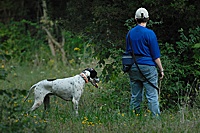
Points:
point(13, 118)
point(182, 67)
point(181, 63)
point(3, 59)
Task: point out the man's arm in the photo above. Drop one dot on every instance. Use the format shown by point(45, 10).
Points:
point(159, 64)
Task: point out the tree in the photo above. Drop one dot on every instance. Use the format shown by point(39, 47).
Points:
point(47, 25)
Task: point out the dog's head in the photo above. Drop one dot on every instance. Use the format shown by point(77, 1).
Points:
point(91, 76)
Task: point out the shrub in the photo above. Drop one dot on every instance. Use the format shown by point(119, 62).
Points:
point(181, 62)
point(13, 118)
point(4, 57)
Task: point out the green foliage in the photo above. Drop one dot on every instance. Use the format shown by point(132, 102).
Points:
point(110, 54)
point(181, 62)
point(112, 65)
point(29, 40)
point(13, 118)
point(103, 23)
point(4, 57)
point(78, 48)
point(3, 73)
point(116, 95)
point(24, 43)
point(105, 19)
point(100, 110)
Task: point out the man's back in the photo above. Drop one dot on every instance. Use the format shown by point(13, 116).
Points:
point(145, 44)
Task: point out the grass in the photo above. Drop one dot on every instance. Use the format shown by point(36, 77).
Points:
point(100, 110)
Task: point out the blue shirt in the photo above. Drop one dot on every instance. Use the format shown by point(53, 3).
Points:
point(145, 44)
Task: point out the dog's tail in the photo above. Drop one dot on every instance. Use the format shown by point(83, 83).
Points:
point(29, 92)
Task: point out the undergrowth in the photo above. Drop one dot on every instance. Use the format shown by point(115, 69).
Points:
point(100, 110)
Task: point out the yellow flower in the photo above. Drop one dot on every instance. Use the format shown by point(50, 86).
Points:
point(15, 104)
point(71, 61)
point(83, 122)
point(77, 49)
point(2, 66)
point(51, 62)
point(30, 101)
point(90, 123)
point(122, 114)
point(85, 118)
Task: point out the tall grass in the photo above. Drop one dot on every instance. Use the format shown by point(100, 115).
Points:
point(102, 110)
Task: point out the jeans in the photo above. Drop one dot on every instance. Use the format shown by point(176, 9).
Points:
point(137, 83)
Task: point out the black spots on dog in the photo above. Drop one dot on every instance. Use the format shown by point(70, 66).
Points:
point(70, 88)
point(51, 79)
point(75, 86)
point(36, 98)
point(73, 92)
point(72, 83)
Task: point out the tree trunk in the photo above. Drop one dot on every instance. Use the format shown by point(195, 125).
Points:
point(45, 21)
point(51, 46)
point(51, 40)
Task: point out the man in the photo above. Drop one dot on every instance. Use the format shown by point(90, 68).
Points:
point(146, 50)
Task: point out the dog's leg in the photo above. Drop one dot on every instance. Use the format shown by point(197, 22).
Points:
point(46, 102)
point(39, 98)
point(36, 105)
point(75, 102)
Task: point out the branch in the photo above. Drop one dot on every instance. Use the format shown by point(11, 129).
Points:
point(63, 39)
point(52, 38)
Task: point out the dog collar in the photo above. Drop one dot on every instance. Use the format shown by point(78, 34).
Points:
point(84, 77)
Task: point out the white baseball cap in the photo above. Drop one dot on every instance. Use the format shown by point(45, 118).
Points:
point(141, 13)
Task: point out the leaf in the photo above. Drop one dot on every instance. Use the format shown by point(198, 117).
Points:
point(197, 45)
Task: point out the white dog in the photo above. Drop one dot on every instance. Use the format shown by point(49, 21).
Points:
point(68, 88)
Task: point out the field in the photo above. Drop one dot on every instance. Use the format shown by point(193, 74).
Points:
point(100, 110)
